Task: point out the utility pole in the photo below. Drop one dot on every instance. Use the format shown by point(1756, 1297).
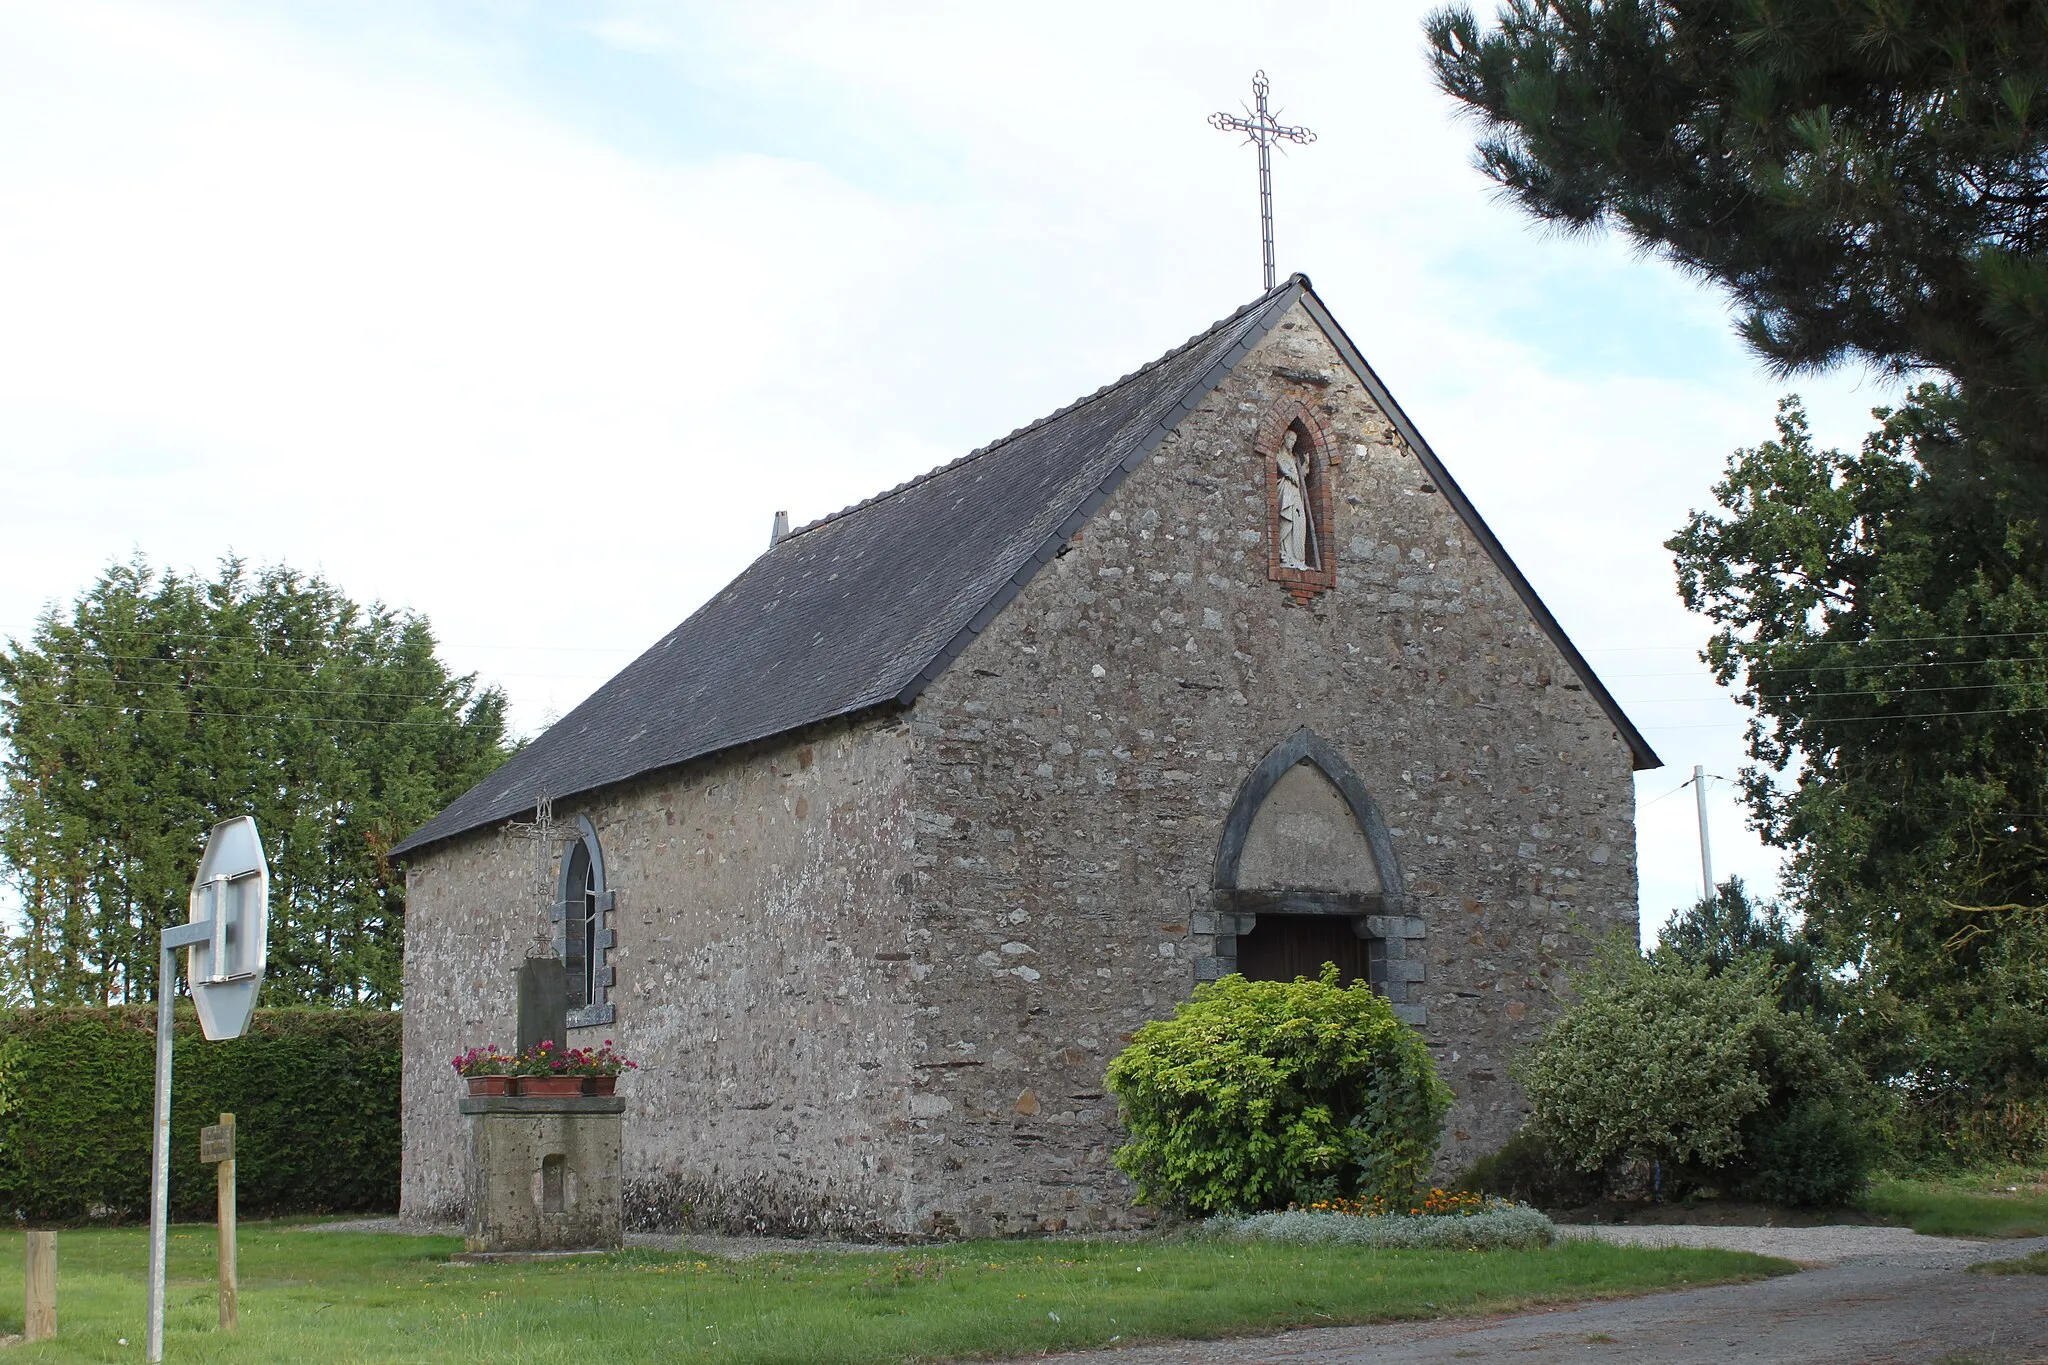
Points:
point(1699, 791)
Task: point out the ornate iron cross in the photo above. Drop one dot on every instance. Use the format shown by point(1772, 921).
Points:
point(1262, 131)
point(546, 836)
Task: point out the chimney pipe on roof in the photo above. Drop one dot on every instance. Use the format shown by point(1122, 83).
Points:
point(781, 529)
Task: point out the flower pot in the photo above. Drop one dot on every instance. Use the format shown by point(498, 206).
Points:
point(600, 1085)
point(551, 1085)
point(493, 1085)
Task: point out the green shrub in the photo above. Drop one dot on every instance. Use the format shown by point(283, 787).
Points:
point(1815, 1151)
point(1531, 1170)
point(314, 1092)
point(1702, 1069)
point(1258, 1094)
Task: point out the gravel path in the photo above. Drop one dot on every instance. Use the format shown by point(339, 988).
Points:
point(1826, 1245)
point(1881, 1296)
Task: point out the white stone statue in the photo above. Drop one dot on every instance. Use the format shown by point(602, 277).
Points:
point(1297, 530)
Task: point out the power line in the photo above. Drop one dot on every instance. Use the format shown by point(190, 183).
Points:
point(271, 664)
point(1837, 644)
point(206, 685)
point(1753, 667)
point(1857, 720)
point(257, 635)
point(1859, 692)
point(238, 715)
point(1667, 795)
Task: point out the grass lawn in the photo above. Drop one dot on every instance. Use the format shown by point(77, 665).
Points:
point(366, 1297)
point(2011, 1202)
point(2034, 1263)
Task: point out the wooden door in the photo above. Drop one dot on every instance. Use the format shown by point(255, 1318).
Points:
point(1283, 947)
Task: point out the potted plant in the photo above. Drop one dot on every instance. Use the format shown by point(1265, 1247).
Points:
point(599, 1067)
point(488, 1071)
point(543, 1070)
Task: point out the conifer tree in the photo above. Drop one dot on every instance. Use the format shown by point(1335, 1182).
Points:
point(1866, 180)
point(159, 704)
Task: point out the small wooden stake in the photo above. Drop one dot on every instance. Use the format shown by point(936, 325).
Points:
point(41, 1312)
point(224, 1187)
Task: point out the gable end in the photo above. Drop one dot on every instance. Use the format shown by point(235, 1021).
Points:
point(1642, 755)
point(1197, 393)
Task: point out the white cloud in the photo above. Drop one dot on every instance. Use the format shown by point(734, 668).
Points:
point(391, 301)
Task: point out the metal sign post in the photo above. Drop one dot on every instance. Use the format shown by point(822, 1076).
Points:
point(228, 935)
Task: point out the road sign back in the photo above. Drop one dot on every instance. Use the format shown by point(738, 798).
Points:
point(233, 891)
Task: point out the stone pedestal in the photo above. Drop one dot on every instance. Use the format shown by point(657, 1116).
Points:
point(544, 1173)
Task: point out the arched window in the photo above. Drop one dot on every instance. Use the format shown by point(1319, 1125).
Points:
point(584, 936)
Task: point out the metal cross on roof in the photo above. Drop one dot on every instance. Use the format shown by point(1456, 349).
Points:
point(1262, 130)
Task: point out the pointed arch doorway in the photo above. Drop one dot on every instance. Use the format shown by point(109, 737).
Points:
point(1306, 874)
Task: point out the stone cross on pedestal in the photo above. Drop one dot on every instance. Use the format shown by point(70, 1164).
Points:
point(543, 980)
point(543, 1003)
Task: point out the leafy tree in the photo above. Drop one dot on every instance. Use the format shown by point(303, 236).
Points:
point(1867, 180)
point(1731, 926)
point(1258, 1094)
point(1704, 1070)
point(1883, 615)
point(160, 704)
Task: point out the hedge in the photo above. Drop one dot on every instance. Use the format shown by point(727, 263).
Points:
point(314, 1092)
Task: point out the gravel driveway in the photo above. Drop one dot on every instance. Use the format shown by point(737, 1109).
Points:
point(1876, 1294)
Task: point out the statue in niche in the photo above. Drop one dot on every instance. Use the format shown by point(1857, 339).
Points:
point(1297, 526)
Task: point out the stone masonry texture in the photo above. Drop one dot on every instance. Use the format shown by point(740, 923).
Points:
point(875, 971)
point(763, 977)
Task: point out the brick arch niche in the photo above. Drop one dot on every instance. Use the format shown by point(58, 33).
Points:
point(1317, 447)
point(1306, 873)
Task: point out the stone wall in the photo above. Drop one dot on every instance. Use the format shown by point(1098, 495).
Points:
point(877, 969)
point(762, 975)
point(1073, 769)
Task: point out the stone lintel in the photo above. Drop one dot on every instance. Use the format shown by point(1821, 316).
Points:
point(1298, 902)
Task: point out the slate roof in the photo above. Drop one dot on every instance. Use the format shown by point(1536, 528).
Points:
point(865, 607)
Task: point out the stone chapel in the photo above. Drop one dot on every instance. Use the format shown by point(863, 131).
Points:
point(876, 860)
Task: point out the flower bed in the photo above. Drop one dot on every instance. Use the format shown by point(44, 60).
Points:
point(1443, 1221)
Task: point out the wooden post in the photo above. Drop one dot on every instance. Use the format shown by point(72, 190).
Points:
point(40, 1314)
point(224, 1187)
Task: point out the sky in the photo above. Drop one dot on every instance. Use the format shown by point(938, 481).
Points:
point(528, 316)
